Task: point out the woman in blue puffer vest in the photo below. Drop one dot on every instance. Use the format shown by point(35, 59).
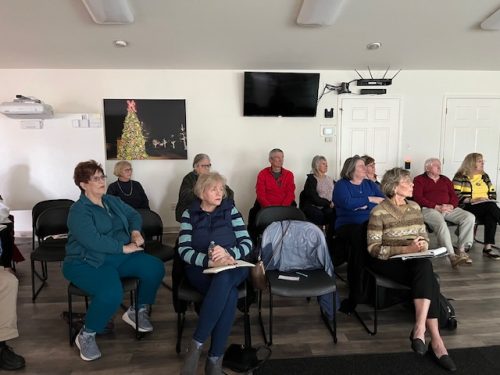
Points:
point(213, 234)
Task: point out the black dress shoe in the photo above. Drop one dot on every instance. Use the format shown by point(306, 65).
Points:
point(444, 361)
point(10, 360)
point(417, 345)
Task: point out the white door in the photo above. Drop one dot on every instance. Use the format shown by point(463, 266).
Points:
point(472, 125)
point(370, 126)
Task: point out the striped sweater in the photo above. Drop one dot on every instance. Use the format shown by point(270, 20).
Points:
point(224, 226)
point(391, 228)
point(463, 187)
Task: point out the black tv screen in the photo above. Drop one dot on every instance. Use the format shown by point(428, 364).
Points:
point(280, 94)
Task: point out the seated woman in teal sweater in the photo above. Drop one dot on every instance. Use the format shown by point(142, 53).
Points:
point(104, 245)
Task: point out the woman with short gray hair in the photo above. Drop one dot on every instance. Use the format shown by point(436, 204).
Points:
point(396, 227)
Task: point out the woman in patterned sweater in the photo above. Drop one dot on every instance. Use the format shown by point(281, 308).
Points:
point(477, 195)
point(396, 226)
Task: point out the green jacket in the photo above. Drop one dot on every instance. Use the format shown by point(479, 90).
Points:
point(91, 236)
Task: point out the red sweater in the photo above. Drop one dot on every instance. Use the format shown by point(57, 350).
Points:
point(428, 193)
point(271, 192)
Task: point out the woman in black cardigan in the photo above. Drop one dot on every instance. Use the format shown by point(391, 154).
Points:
point(316, 198)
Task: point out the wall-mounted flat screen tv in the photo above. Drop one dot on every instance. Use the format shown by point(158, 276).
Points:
point(280, 94)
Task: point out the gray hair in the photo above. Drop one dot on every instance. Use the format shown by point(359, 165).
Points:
point(391, 179)
point(208, 180)
point(349, 167)
point(198, 158)
point(315, 164)
point(428, 163)
point(274, 151)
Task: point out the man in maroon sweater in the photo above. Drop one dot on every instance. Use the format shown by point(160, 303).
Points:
point(434, 193)
point(275, 184)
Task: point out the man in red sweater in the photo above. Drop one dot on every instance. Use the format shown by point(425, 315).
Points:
point(434, 193)
point(275, 184)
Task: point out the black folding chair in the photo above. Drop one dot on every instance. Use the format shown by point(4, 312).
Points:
point(152, 228)
point(130, 285)
point(312, 283)
point(50, 224)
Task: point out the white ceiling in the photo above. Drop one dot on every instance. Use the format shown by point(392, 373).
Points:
point(250, 34)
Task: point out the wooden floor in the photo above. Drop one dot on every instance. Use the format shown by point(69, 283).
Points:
point(299, 331)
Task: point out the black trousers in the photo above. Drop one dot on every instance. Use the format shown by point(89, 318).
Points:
point(418, 274)
point(489, 214)
point(354, 250)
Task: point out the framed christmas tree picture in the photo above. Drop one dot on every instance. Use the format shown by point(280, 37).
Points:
point(145, 129)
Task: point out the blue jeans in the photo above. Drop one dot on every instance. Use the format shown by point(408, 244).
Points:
point(105, 287)
point(219, 305)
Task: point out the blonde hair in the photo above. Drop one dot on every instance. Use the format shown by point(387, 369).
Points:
point(207, 180)
point(120, 166)
point(315, 164)
point(469, 164)
point(391, 179)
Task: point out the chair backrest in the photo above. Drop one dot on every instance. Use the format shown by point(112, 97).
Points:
point(152, 225)
point(42, 206)
point(271, 214)
point(291, 245)
point(52, 221)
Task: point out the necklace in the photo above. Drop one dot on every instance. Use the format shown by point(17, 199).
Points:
point(131, 188)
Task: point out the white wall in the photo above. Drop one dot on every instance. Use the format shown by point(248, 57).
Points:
point(237, 145)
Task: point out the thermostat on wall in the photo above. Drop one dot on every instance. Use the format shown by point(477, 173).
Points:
point(327, 131)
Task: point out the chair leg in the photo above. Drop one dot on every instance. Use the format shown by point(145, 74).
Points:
point(332, 330)
point(270, 343)
point(42, 278)
point(375, 309)
point(261, 321)
point(181, 318)
point(482, 242)
point(246, 325)
point(138, 335)
point(70, 318)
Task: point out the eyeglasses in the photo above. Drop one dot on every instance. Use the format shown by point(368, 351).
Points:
point(206, 165)
point(98, 178)
point(128, 170)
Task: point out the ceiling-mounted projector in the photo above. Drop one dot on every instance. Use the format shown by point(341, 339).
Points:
point(26, 108)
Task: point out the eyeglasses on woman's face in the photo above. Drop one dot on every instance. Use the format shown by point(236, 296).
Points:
point(206, 166)
point(98, 178)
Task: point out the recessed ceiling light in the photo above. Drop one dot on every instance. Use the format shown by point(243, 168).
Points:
point(120, 43)
point(374, 45)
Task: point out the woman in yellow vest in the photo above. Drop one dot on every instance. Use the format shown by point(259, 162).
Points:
point(477, 195)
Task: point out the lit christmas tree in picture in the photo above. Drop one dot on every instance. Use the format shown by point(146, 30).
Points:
point(132, 145)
